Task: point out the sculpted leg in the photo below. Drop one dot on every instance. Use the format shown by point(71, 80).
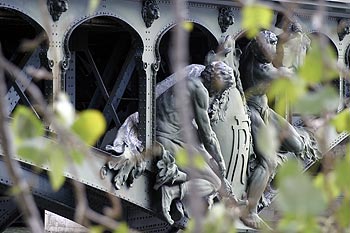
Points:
point(290, 138)
point(258, 181)
point(257, 185)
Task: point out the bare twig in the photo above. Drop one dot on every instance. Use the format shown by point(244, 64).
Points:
point(24, 198)
point(180, 54)
point(83, 211)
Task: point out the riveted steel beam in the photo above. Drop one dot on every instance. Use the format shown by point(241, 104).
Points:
point(8, 212)
point(119, 87)
point(16, 92)
point(107, 74)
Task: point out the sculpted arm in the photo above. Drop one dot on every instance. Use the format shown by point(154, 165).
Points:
point(200, 101)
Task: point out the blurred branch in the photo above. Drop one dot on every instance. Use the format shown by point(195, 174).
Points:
point(64, 136)
point(24, 198)
point(179, 59)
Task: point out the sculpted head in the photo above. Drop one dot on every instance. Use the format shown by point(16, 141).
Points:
point(265, 46)
point(217, 77)
point(226, 18)
point(343, 28)
point(57, 7)
point(150, 12)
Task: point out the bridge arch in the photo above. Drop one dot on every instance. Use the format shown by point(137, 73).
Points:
point(201, 41)
point(324, 38)
point(16, 29)
point(104, 75)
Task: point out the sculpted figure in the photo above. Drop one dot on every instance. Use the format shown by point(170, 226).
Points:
point(256, 68)
point(230, 120)
point(213, 81)
point(56, 8)
point(343, 28)
point(292, 46)
point(226, 18)
point(150, 12)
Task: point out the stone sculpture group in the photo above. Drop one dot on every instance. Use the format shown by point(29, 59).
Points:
point(227, 123)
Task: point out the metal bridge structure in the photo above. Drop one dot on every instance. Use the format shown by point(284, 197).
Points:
point(111, 59)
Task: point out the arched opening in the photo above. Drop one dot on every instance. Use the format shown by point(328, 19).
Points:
point(102, 72)
point(201, 41)
point(16, 29)
point(326, 42)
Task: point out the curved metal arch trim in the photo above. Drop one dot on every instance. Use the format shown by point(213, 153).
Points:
point(309, 32)
point(171, 25)
point(70, 29)
point(26, 17)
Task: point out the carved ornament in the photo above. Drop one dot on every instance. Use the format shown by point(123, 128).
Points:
point(56, 8)
point(226, 18)
point(150, 12)
point(343, 28)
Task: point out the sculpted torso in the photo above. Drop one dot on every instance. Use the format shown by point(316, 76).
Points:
point(168, 119)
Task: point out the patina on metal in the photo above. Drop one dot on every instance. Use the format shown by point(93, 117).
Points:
point(138, 68)
point(150, 12)
point(225, 18)
point(230, 121)
point(257, 69)
point(56, 8)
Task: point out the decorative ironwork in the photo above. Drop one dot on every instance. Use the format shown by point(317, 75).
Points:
point(150, 12)
point(129, 163)
point(226, 18)
point(56, 8)
point(343, 28)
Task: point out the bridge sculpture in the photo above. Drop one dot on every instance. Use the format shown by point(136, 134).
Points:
point(133, 90)
point(236, 125)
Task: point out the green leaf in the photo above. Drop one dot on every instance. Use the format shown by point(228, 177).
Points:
point(341, 170)
point(188, 26)
point(89, 126)
point(219, 220)
point(317, 65)
point(96, 229)
point(341, 121)
point(298, 195)
point(122, 228)
point(77, 156)
point(322, 101)
point(343, 213)
point(182, 159)
point(199, 162)
point(286, 91)
point(26, 125)
point(32, 150)
point(328, 185)
point(292, 223)
point(267, 141)
point(190, 226)
point(256, 17)
point(93, 5)
point(57, 162)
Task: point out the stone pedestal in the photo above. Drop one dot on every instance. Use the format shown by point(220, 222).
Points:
point(55, 223)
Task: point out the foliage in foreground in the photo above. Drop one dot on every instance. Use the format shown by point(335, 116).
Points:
point(307, 204)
